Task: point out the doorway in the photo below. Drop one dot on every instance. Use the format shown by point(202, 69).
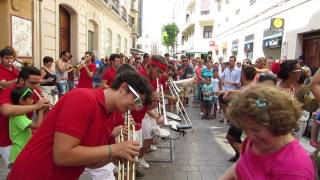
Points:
point(311, 50)
point(64, 22)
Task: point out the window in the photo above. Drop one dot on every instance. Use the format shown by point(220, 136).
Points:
point(207, 31)
point(227, 1)
point(118, 49)
point(90, 41)
point(251, 2)
point(205, 7)
point(109, 41)
point(227, 19)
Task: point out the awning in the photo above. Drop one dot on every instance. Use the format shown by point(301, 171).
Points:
point(134, 50)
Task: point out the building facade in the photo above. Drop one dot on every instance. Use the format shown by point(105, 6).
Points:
point(38, 28)
point(195, 21)
point(282, 29)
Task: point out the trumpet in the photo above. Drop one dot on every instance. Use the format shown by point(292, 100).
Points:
point(162, 105)
point(130, 172)
point(81, 63)
point(40, 96)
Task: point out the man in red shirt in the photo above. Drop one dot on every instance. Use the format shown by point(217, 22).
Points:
point(28, 77)
point(70, 140)
point(110, 73)
point(87, 71)
point(8, 73)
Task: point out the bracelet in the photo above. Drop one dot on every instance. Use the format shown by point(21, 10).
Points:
point(110, 152)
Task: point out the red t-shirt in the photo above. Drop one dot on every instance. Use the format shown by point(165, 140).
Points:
point(109, 75)
point(6, 74)
point(89, 122)
point(117, 119)
point(84, 80)
point(4, 121)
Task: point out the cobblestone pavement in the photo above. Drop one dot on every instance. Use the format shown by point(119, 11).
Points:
point(201, 155)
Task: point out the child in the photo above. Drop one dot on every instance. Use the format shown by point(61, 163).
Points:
point(20, 126)
point(216, 88)
point(207, 91)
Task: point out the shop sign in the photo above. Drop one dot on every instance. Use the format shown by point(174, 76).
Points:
point(277, 24)
point(212, 43)
point(272, 43)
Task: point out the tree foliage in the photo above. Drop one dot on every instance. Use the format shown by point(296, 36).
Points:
point(169, 34)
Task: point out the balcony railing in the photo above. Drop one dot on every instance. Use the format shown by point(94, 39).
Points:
point(124, 14)
point(205, 12)
point(116, 6)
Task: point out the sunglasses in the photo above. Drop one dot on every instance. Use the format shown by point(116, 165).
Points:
point(297, 70)
point(27, 91)
point(137, 102)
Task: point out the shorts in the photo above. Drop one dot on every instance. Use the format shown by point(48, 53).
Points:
point(146, 128)
point(207, 104)
point(5, 152)
point(62, 87)
point(105, 172)
point(235, 133)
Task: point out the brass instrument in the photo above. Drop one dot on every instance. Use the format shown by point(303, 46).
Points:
point(305, 96)
point(186, 121)
point(81, 63)
point(39, 96)
point(183, 83)
point(130, 172)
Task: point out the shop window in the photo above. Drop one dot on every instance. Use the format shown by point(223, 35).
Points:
point(90, 41)
point(207, 31)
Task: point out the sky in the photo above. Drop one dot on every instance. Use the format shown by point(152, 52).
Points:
point(156, 13)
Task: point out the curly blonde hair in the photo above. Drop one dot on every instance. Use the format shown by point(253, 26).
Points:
point(267, 106)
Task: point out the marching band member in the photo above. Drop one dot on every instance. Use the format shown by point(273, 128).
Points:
point(87, 71)
point(29, 77)
point(68, 141)
point(8, 73)
point(110, 73)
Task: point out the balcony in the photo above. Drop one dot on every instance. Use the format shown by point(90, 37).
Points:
point(130, 21)
point(134, 6)
point(116, 6)
point(124, 14)
point(191, 4)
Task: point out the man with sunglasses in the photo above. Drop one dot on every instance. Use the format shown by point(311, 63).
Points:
point(68, 141)
point(29, 77)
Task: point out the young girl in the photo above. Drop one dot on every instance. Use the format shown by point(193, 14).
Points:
point(268, 115)
point(20, 126)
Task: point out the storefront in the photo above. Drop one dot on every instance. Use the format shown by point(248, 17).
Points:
point(248, 46)
point(272, 41)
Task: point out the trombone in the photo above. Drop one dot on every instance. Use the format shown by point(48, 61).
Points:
point(174, 90)
point(130, 172)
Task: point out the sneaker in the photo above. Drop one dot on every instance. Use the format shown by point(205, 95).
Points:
point(152, 149)
point(139, 174)
point(143, 164)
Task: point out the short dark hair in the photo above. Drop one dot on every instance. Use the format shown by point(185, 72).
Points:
point(113, 57)
point(145, 55)
point(18, 92)
point(125, 67)
point(286, 67)
point(249, 72)
point(26, 72)
point(47, 59)
point(6, 52)
point(235, 59)
point(91, 54)
point(63, 53)
point(136, 81)
point(267, 77)
point(166, 54)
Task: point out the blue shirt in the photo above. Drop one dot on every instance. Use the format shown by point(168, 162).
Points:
point(207, 88)
point(231, 76)
point(206, 73)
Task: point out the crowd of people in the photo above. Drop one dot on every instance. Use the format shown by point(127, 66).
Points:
point(62, 120)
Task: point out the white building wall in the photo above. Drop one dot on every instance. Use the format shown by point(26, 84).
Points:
point(300, 16)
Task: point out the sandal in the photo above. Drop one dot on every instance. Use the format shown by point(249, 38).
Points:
point(314, 144)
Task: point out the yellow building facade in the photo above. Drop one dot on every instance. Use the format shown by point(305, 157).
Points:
point(38, 28)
